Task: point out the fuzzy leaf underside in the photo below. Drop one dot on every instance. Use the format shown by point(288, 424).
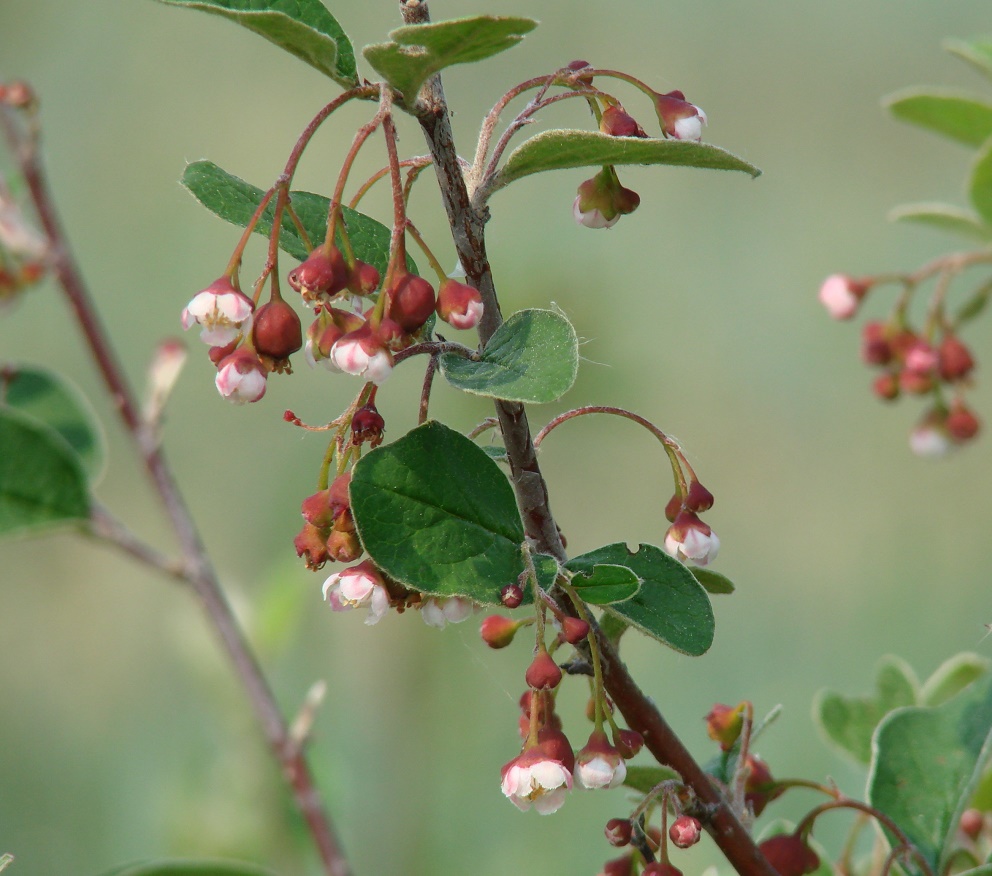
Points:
point(417, 52)
point(561, 149)
point(304, 28)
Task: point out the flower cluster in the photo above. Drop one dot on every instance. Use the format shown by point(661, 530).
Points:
point(931, 363)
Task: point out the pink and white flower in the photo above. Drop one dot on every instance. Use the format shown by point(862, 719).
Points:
point(458, 304)
point(599, 764)
point(593, 217)
point(679, 119)
point(439, 612)
point(361, 352)
point(222, 311)
point(690, 540)
point(535, 779)
point(241, 377)
point(841, 295)
point(358, 586)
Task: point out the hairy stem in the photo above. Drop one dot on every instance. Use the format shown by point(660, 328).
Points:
point(467, 227)
point(198, 572)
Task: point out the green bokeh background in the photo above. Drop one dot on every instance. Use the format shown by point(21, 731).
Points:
point(122, 734)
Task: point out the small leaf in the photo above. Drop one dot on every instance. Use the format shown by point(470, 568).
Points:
point(496, 452)
point(849, 722)
point(979, 54)
point(975, 304)
point(925, 766)
point(601, 584)
point(235, 201)
point(943, 217)
point(532, 357)
point(183, 867)
point(713, 582)
point(438, 515)
point(41, 478)
point(643, 779)
point(671, 606)
point(980, 185)
point(962, 117)
point(303, 28)
point(48, 399)
point(417, 52)
point(559, 149)
point(951, 677)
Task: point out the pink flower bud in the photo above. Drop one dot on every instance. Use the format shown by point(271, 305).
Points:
point(875, 348)
point(599, 764)
point(690, 540)
point(543, 673)
point(956, 361)
point(841, 295)
point(411, 301)
point(724, 724)
point(459, 305)
point(323, 274)
point(363, 279)
point(962, 424)
point(241, 377)
point(367, 426)
point(789, 855)
point(679, 118)
point(617, 123)
point(685, 831)
point(574, 630)
point(221, 311)
point(886, 386)
point(971, 823)
point(512, 595)
point(311, 544)
point(757, 793)
point(361, 352)
point(618, 831)
point(698, 499)
point(498, 631)
point(277, 332)
point(628, 743)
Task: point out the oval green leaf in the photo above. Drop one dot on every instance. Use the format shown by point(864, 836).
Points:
point(559, 149)
point(48, 399)
point(962, 117)
point(977, 53)
point(713, 582)
point(438, 515)
point(235, 201)
point(42, 481)
point(671, 605)
point(980, 184)
point(602, 584)
point(643, 778)
point(849, 722)
point(303, 28)
point(417, 52)
point(944, 217)
point(926, 763)
point(184, 867)
point(952, 677)
point(533, 357)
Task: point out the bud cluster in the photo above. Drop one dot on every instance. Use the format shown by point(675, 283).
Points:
point(933, 363)
point(689, 539)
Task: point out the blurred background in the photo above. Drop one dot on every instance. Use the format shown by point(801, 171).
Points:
point(123, 735)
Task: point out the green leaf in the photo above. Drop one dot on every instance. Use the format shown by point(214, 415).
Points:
point(926, 764)
point(613, 628)
point(713, 582)
point(532, 357)
point(962, 117)
point(980, 185)
point(53, 402)
point(671, 605)
point(944, 217)
point(601, 584)
point(417, 52)
point(953, 676)
point(643, 779)
point(974, 306)
point(303, 28)
point(559, 149)
point(235, 201)
point(978, 53)
point(438, 515)
point(183, 867)
point(41, 478)
point(849, 722)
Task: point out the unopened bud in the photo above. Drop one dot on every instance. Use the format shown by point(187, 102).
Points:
point(543, 673)
point(498, 631)
point(618, 831)
point(512, 595)
point(724, 724)
point(574, 630)
point(685, 831)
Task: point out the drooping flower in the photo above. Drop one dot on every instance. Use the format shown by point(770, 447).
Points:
point(241, 377)
point(355, 587)
point(458, 304)
point(679, 119)
point(690, 540)
point(841, 295)
point(536, 779)
point(599, 764)
point(222, 311)
point(361, 352)
point(439, 612)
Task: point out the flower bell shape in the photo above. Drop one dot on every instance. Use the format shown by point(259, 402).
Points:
point(599, 764)
point(221, 311)
point(362, 353)
point(358, 586)
point(618, 123)
point(323, 274)
point(690, 540)
point(536, 779)
point(277, 333)
point(601, 200)
point(411, 301)
point(841, 295)
point(439, 612)
point(679, 119)
point(458, 304)
point(241, 377)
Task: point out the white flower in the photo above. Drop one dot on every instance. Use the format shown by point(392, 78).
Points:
point(241, 377)
point(534, 779)
point(438, 612)
point(221, 310)
point(362, 353)
point(690, 127)
point(928, 441)
point(355, 587)
point(690, 540)
point(599, 764)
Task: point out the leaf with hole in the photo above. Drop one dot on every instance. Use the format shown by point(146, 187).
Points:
point(304, 28)
point(417, 52)
point(602, 583)
point(533, 357)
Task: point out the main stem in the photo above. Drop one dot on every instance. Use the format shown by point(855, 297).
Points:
point(199, 572)
point(468, 232)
